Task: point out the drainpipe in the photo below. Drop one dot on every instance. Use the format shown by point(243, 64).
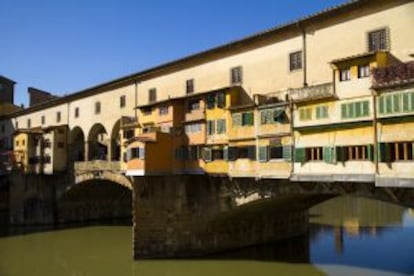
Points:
point(256, 131)
point(304, 53)
point(292, 135)
point(375, 128)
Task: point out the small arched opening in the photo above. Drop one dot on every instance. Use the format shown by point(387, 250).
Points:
point(77, 144)
point(98, 143)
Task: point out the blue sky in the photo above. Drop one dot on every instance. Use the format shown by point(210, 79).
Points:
point(63, 46)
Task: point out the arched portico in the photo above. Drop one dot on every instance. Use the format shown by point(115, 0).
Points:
point(97, 143)
point(77, 144)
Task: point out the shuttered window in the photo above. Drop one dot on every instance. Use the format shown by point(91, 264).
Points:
point(247, 119)
point(396, 103)
point(221, 126)
point(355, 110)
point(322, 112)
point(210, 127)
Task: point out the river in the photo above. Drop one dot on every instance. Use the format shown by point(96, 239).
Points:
point(348, 236)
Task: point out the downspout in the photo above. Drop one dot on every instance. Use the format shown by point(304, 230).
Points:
point(304, 55)
point(292, 135)
point(375, 128)
point(256, 131)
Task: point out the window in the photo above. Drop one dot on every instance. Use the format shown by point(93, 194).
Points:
point(29, 123)
point(47, 143)
point(221, 99)
point(17, 143)
point(243, 119)
point(58, 116)
point(305, 113)
point(43, 120)
point(246, 152)
point(271, 116)
point(97, 107)
point(211, 101)
point(247, 119)
point(397, 151)
point(217, 154)
point(354, 153)
point(355, 110)
point(396, 103)
point(135, 153)
point(189, 86)
point(47, 159)
point(363, 71)
point(314, 154)
point(344, 74)
point(23, 142)
point(322, 112)
point(193, 105)
point(146, 111)
point(295, 61)
point(192, 128)
point(17, 124)
point(163, 110)
point(275, 152)
point(236, 75)
point(378, 40)
point(152, 95)
point(122, 101)
point(210, 127)
point(221, 126)
point(128, 133)
point(193, 153)
point(76, 112)
point(216, 100)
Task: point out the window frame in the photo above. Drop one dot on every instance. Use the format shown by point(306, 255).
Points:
point(345, 74)
point(386, 43)
point(189, 86)
point(295, 61)
point(236, 75)
point(122, 101)
point(152, 95)
point(98, 107)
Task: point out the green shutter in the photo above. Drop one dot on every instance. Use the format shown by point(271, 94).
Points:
point(226, 153)
point(370, 151)
point(406, 102)
point(300, 155)
point(365, 108)
point(318, 111)
point(381, 103)
point(340, 154)
point(388, 104)
point(251, 152)
point(263, 154)
point(329, 155)
point(412, 101)
point(236, 119)
point(287, 152)
point(249, 119)
point(396, 103)
point(302, 114)
point(384, 153)
point(343, 111)
point(358, 109)
point(231, 153)
point(207, 155)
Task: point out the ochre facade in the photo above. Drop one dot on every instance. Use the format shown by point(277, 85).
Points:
point(327, 98)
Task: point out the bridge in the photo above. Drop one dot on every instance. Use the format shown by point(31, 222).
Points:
point(229, 147)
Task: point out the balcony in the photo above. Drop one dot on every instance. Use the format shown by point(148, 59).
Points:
point(314, 92)
point(97, 165)
point(394, 75)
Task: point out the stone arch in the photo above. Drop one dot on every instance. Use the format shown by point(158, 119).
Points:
point(77, 144)
point(103, 175)
point(95, 196)
point(98, 143)
point(116, 141)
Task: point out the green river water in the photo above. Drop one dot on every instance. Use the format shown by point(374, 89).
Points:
point(348, 236)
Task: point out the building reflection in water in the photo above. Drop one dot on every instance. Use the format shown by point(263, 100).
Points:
point(354, 217)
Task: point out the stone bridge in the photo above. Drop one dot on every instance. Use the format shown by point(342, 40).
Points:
point(182, 215)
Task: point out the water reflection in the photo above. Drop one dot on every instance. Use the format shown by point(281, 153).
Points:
point(347, 236)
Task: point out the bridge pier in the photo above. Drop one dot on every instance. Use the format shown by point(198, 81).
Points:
point(177, 216)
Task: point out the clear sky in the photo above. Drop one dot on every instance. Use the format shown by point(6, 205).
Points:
point(63, 46)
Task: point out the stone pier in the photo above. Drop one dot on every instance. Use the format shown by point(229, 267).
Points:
point(179, 216)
